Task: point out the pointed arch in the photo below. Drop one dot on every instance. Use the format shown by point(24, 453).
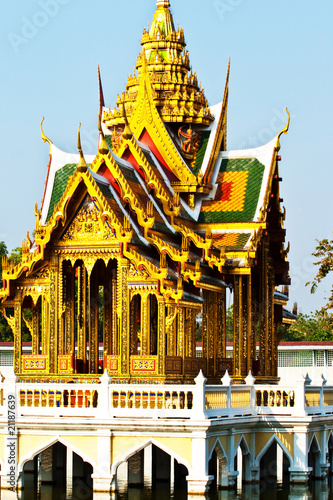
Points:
point(217, 446)
point(49, 444)
point(143, 445)
point(314, 441)
point(244, 446)
point(268, 445)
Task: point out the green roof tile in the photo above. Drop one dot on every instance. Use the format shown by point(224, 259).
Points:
point(201, 151)
point(238, 195)
point(60, 182)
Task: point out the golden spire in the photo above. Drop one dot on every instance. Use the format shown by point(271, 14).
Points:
point(162, 24)
point(82, 166)
point(163, 4)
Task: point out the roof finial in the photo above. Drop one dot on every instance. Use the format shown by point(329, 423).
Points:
point(127, 134)
point(82, 166)
point(283, 131)
point(101, 94)
point(44, 138)
point(103, 147)
point(163, 4)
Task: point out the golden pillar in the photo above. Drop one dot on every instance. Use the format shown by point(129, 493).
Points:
point(107, 311)
point(221, 324)
point(181, 327)
point(123, 312)
point(170, 328)
point(161, 335)
point(210, 322)
point(35, 330)
point(17, 332)
point(53, 318)
point(93, 301)
point(81, 314)
point(264, 312)
point(238, 326)
point(114, 331)
point(69, 290)
point(145, 327)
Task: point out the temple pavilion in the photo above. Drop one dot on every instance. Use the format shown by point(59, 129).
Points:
point(133, 245)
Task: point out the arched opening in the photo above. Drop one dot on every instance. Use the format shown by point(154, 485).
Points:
point(57, 472)
point(274, 465)
point(151, 468)
point(135, 326)
point(218, 468)
point(330, 453)
point(89, 318)
point(314, 459)
point(153, 324)
point(242, 464)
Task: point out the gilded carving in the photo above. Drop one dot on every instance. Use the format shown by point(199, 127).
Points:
point(88, 227)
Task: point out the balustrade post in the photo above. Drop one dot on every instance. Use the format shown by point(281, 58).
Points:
point(103, 402)
point(250, 381)
point(199, 400)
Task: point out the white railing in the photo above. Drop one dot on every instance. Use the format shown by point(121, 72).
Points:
point(105, 400)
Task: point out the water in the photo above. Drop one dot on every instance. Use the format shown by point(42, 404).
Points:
point(317, 490)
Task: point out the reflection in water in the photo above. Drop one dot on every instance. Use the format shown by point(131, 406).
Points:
point(269, 490)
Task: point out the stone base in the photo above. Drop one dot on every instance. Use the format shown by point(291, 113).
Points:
point(198, 486)
point(101, 484)
point(324, 470)
point(227, 482)
point(298, 476)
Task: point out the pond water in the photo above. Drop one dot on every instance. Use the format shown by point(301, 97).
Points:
point(269, 490)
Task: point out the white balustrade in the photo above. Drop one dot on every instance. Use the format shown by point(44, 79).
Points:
point(107, 400)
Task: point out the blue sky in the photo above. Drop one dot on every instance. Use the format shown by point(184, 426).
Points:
point(281, 55)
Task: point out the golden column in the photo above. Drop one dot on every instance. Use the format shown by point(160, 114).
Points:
point(161, 334)
point(145, 326)
point(17, 332)
point(69, 299)
point(221, 324)
point(35, 330)
point(238, 327)
point(107, 311)
point(114, 331)
point(81, 314)
point(93, 322)
point(123, 313)
point(53, 317)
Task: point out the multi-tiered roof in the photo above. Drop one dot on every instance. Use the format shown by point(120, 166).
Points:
point(162, 189)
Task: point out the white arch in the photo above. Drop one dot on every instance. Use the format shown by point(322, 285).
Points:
point(217, 444)
point(268, 445)
point(329, 436)
point(143, 445)
point(243, 441)
point(50, 443)
point(314, 438)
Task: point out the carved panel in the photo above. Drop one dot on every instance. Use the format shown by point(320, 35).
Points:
point(65, 364)
point(38, 365)
point(141, 365)
point(88, 227)
point(173, 365)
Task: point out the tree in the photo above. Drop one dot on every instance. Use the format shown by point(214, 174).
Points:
point(15, 256)
point(323, 252)
point(315, 327)
point(3, 253)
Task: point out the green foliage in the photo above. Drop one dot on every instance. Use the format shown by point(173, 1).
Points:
point(15, 256)
point(324, 254)
point(3, 253)
point(315, 327)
